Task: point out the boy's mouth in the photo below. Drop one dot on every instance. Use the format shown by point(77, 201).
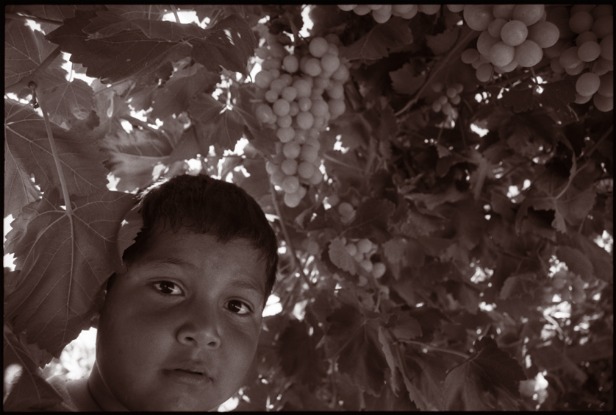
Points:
point(189, 375)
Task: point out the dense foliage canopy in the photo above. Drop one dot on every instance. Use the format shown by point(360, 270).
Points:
point(440, 178)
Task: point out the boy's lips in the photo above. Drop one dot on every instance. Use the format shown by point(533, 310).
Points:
point(194, 371)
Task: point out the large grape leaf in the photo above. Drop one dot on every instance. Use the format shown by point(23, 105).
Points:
point(63, 259)
point(229, 43)
point(24, 50)
point(119, 56)
point(65, 100)
point(28, 152)
point(488, 380)
point(215, 123)
point(379, 41)
point(299, 355)
point(354, 339)
point(174, 97)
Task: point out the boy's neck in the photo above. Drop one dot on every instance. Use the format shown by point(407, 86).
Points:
point(82, 398)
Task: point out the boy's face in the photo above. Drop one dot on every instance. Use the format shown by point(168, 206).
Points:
point(179, 330)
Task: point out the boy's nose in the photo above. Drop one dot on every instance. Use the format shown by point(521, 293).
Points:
point(200, 331)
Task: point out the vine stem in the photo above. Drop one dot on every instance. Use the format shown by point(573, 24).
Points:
point(296, 262)
point(56, 157)
point(438, 349)
point(463, 42)
point(175, 13)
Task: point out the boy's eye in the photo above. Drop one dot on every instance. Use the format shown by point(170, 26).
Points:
point(238, 307)
point(168, 288)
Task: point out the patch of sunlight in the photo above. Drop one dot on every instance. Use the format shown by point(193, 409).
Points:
point(273, 306)
point(478, 130)
point(308, 23)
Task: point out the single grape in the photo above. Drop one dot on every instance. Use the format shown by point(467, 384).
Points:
point(277, 85)
point(469, 55)
point(603, 104)
point(362, 9)
point(285, 134)
point(477, 16)
point(514, 33)
point(336, 91)
point(351, 249)
point(281, 107)
point(292, 200)
point(383, 14)
point(271, 96)
point(580, 22)
point(529, 14)
point(291, 150)
point(312, 67)
point(399, 9)
point(545, 34)
point(495, 27)
point(290, 63)
point(336, 107)
point(277, 178)
point(589, 51)
point(484, 72)
point(271, 63)
point(569, 57)
point(316, 178)
point(304, 103)
point(366, 264)
point(364, 245)
point(304, 120)
point(303, 87)
point(341, 74)
point(330, 63)
point(309, 153)
point(575, 70)
point(319, 107)
point(318, 47)
point(451, 92)
point(289, 166)
point(454, 8)
point(306, 169)
point(346, 210)
point(456, 100)
point(501, 54)
point(263, 79)
point(603, 26)
point(288, 93)
point(436, 106)
point(290, 184)
point(429, 9)
point(271, 167)
point(264, 113)
point(347, 7)
point(581, 99)
point(285, 121)
point(378, 270)
point(507, 68)
point(585, 37)
point(485, 42)
point(293, 109)
point(587, 84)
point(528, 54)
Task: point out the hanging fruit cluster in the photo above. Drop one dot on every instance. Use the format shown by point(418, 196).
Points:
point(301, 88)
point(383, 12)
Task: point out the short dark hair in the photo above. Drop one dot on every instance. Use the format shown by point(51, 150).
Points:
point(203, 204)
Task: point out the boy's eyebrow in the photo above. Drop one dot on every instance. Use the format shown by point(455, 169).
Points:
point(247, 284)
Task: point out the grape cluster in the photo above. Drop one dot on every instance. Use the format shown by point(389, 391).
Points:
point(586, 49)
point(362, 250)
point(301, 89)
point(447, 101)
point(383, 12)
point(512, 36)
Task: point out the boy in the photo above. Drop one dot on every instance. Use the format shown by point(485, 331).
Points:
point(179, 326)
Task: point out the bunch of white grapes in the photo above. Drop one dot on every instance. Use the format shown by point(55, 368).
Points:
point(448, 101)
point(362, 250)
point(383, 12)
point(301, 89)
point(512, 36)
point(586, 51)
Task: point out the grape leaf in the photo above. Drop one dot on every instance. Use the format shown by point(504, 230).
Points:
point(371, 220)
point(81, 250)
point(355, 341)
point(30, 392)
point(229, 43)
point(117, 57)
point(65, 100)
point(299, 356)
point(139, 11)
point(215, 124)
point(442, 42)
point(57, 12)
point(488, 380)
point(174, 97)
point(30, 153)
point(17, 184)
point(405, 81)
point(379, 41)
point(341, 257)
point(24, 50)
